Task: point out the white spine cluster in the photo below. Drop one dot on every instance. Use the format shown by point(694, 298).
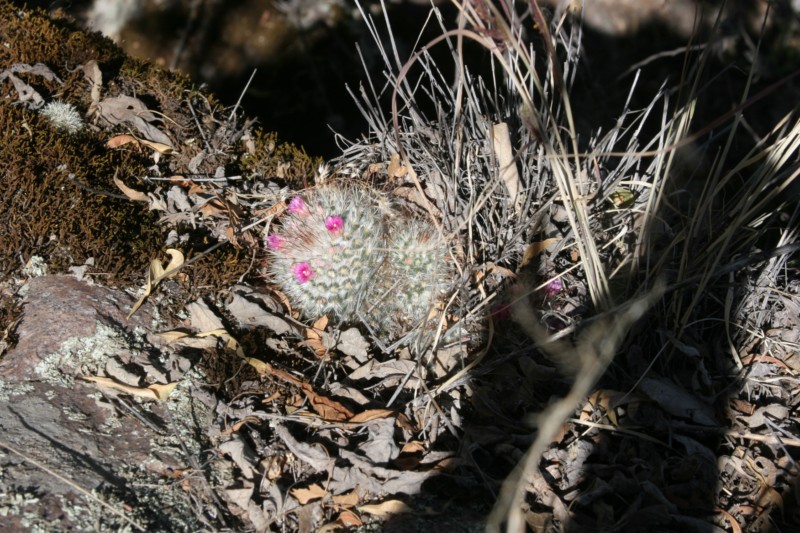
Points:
point(63, 116)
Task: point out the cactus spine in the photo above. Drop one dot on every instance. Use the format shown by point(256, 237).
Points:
point(341, 250)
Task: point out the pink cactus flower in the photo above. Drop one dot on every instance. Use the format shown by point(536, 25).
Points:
point(297, 206)
point(334, 224)
point(274, 241)
point(302, 272)
point(554, 287)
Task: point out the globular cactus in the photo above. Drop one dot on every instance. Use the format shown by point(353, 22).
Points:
point(330, 245)
point(341, 250)
point(415, 275)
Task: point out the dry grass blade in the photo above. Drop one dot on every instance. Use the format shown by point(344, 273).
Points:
point(589, 358)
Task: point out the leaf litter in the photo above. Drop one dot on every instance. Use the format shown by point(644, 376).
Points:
point(324, 426)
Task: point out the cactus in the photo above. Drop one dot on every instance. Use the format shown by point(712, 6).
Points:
point(329, 246)
point(341, 251)
point(415, 274)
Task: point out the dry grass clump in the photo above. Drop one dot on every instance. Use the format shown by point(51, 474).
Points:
point(616, 228)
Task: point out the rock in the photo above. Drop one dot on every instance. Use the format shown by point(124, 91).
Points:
point(63, 315)
point(62, 437)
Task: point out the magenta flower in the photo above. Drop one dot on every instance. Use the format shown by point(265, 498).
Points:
point(554, 287)
point(334, 224)
point(303, 272)
point(297, 206)
point(274, 241)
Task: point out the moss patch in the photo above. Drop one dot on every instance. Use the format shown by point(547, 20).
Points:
point(58, 198)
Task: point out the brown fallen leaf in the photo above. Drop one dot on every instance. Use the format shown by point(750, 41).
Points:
point(156, 391)
point(133, 194)
point(328, 409)
point(121, 140)
point(346, 500)
point(156, 273)
point(307, 494)
point(125, 109)
point(534, 249)
point(349, 519)
point(314, 337)
point(386, 508)
point(372, 414)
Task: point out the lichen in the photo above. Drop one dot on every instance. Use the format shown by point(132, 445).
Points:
point(83, 355)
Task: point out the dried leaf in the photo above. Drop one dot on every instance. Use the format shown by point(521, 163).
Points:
point(349, 519)
point(308, 494)
point(316, 337)
point(250, 311)
point(153, 392)
point(202, 318)
point(124, 109)
point(121, 140)
point(386, 508)
point(347, 500)
point(91, 70)
point(534, 249)
point(241, 454)
point(156, 273)
point(161, 148)
point(328, 409)
point(131, 193)
point(372, 414)
point(677, 401)
point(352, 343)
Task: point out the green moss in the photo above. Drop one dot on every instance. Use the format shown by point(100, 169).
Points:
point(271, 159)
point(57, 193)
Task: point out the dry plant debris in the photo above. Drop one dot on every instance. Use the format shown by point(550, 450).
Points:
point(617, 349)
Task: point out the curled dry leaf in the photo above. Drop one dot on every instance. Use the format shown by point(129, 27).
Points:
point(153, 392)
point(330, 410)
point(128, 110)
point(121, 140)
point(133, 194)
point(156, 273)
point(91, 70)
point(386, 509)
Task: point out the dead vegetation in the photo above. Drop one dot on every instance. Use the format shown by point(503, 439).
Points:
point(620, 350)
